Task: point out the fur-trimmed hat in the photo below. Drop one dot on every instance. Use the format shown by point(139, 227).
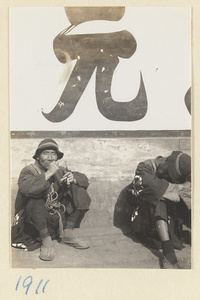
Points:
point(48, 144)
point(179, 167)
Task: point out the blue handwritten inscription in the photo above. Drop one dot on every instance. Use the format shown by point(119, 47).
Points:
point(28, 281)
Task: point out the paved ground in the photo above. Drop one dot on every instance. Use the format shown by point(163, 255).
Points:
point(109, 248)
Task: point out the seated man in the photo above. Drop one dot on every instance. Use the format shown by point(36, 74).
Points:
point(50, 201)
point(161, 198)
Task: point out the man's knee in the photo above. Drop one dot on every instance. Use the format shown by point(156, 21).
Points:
point(36, 204)
point(36, 208)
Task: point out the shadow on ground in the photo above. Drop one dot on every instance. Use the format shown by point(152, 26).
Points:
point(122, 220)
point(110, 247)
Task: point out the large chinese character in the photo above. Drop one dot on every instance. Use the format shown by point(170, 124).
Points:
point(188, 100)
point(101, 52)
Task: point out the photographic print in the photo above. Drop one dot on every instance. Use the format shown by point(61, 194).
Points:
point(100, 137)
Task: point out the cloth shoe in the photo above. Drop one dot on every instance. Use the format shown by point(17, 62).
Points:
point(71, 240)
point(165, 264)
point(47, 251)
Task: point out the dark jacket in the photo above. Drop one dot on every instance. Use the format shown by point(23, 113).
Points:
point(33, 185)
point(153, 187)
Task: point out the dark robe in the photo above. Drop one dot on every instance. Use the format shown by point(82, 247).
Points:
point(34, 187)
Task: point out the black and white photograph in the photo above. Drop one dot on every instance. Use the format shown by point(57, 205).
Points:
point(100, 137)
point(99, 149)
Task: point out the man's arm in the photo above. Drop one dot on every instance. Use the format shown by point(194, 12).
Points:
point(32, 185)
point(73, 177)
point(154, 188)
point(81, 179)
point(172, 193)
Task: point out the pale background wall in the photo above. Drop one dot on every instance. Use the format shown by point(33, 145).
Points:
point(109, 163)
point(163, 36)
point(109, 160)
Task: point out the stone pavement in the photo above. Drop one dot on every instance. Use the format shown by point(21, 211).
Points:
point(109, 248)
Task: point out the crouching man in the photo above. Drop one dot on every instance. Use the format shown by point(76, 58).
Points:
point(50, 201)
point(161, 200)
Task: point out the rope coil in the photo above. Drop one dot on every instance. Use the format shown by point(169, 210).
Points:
point(52, 204)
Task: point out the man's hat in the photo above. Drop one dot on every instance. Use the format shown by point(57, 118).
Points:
point(179, 167)
point(48, 144)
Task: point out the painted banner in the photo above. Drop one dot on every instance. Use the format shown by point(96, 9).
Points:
point(100, 68)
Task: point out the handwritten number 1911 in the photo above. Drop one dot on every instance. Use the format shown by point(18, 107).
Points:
point(27, 283)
